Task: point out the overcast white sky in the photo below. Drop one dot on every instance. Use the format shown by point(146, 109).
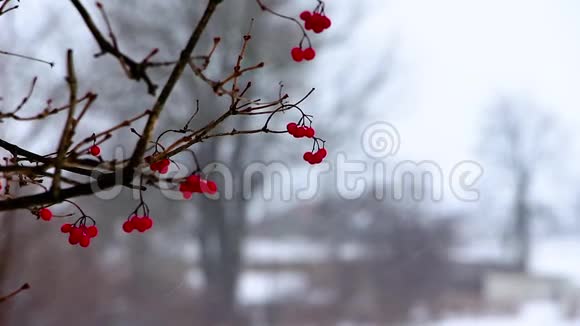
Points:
point(453, 58)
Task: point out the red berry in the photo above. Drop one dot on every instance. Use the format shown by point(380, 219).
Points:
point(189, 187)
point(319, 156)
point(73, 240)
point(308, 156)
point(147, 222)
point(92, 231)
point(316, 17)
point(325, 22)
point(193, 179)
point(300, 132)
point(66, 228)
point(317, 23)
point(305, 15)
point(297, 54)
point(291, 127)
point(135, 220)
point(318, 29)
point(187, 194)
point(309, 54)
point(161, 166)
point(316, 158)
point(209, 187)
point(140, 224)
point(85, 241)
point(95, 150)
point(309, 132)
point(45, 214)
point(128, 226)
point(193, 183)
point(185, 187)
point(76, 231)
point(308, 24)
point(75, 235)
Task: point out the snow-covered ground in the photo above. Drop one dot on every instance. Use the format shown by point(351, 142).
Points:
point(550, 256)
point(532, 314)
point(557, 257)
point(292, 250)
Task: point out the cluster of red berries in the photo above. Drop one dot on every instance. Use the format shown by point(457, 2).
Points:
point(315, 157)
point(80, 235)
point(139, 223)
point(45, 214)
point(161, 166)
point(300, 131)
point(95, 150)
point(315, 21)
point(298, 54)
point(303, 131)
point(196, 184)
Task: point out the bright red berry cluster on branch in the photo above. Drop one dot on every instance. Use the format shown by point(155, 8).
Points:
point(81, 234)
point(315, 21)
point(315, 157)
point(161, 166)
point(298, 54)
point(139, 223)
point(300, 131)
point(196, 184)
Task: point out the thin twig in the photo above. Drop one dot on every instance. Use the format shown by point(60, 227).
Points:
point(51, 64)
point(24, 286)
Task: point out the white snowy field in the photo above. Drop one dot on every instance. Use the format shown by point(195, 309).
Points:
point(532, 314)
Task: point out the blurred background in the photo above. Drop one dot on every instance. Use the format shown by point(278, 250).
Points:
point(449, 196)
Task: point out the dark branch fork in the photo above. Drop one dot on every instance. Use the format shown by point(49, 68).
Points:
point(137, 70)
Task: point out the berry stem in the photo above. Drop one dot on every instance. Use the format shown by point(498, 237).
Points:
point(265, 8)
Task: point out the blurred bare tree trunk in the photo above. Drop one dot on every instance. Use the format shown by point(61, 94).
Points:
point(220, 235)
point(522, 224)
point(519, 139)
